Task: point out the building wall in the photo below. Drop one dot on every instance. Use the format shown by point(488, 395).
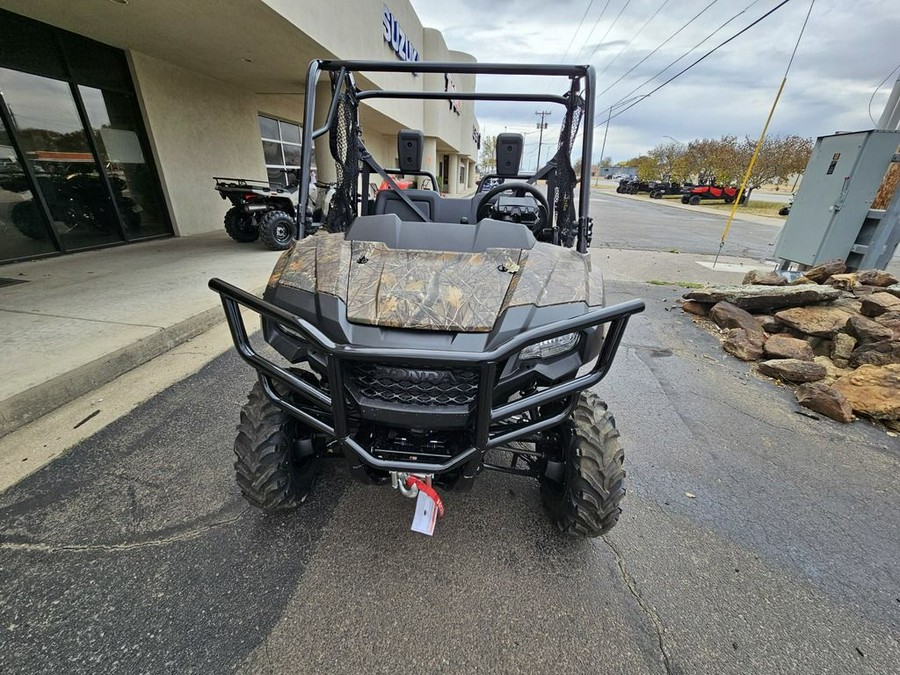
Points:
point(362, 20)
point(198, 128)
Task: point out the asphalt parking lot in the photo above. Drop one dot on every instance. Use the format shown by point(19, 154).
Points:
point(753, 540)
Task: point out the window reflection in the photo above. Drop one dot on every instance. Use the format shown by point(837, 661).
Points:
point(54, 142)
point(113, 119)
point(23, 232)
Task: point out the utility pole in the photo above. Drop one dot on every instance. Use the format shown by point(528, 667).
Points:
point(541, 125)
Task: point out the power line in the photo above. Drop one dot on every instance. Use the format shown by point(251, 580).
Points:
point(711, 51)
point(875, 93)
point(575, 34)
point(593, 28)
point(660, 46)
point(639, 31)
point(608, 30)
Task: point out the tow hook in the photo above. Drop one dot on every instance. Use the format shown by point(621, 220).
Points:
point(411, 484)
point(399, 482)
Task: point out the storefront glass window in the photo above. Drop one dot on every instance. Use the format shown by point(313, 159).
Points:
point(54, 143)
point(75, 170)
point(281, 148)
point(112, 117)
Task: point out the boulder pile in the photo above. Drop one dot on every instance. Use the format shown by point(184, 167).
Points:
point(834, 334)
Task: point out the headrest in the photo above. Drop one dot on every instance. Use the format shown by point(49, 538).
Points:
point(410, 144)
point(509, 154)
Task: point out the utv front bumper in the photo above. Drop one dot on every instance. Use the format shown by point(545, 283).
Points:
point(490, 431)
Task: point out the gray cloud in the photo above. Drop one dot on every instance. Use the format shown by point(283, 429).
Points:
point(847, 48)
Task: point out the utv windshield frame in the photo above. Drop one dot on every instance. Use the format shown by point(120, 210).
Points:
point(580, 96)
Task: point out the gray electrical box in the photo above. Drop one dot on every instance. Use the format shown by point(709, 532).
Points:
point(834, 199)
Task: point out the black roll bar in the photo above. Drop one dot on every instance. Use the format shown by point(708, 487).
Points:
point(344, 70)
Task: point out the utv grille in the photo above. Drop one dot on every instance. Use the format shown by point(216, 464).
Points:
point(416, 386)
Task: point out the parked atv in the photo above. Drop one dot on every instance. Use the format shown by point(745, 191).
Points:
point(268, 212)
point(669, 188)
point(424, 339)
point(704, 192)
point(632, 186)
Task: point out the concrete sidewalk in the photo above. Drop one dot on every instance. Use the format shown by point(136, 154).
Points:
point(83, 320)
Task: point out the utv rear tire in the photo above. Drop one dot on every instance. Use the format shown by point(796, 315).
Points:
point(693, 201)
point(585, 502)
point(276, 230)
point(240, 226)
point(268, 470)
point(685, 199)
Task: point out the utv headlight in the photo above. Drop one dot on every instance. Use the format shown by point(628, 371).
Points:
point(552, 347)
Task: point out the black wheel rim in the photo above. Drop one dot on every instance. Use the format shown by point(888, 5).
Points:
point(281, 232)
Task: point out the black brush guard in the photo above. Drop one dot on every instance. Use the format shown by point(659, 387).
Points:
point(486, 362)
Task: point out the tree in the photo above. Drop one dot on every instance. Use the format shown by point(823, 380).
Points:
point(488, 157)
point(671, 160)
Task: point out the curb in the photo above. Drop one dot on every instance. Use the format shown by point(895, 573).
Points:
point(27, 406)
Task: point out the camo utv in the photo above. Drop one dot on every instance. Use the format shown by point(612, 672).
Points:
point(424, 338)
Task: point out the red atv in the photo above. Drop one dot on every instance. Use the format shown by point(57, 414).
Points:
point(700, 192)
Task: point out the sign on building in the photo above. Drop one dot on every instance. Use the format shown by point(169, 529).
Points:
point(396, 38)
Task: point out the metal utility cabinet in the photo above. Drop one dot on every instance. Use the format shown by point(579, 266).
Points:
point(831, 216)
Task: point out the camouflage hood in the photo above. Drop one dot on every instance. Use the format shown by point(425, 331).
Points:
point(436, 290)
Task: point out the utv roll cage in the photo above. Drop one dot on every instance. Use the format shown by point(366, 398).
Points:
point(352, 159)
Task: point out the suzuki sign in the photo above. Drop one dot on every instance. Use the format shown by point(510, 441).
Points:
point(396, 38)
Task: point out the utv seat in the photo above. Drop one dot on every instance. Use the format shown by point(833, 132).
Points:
point(389, 201)
point(437, 236)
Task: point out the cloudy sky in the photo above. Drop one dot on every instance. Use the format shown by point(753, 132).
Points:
point(849, 46)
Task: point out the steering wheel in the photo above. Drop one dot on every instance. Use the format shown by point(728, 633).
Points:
point(484, 205)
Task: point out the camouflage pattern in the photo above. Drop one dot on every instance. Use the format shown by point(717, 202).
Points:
point(300, 270)
point(430, 290)
point(552, 275)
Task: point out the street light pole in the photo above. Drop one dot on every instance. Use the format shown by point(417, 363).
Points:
point(541, 125)
point(609, 117)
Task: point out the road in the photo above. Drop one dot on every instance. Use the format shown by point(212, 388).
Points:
point(620, 222)
point(754, 540)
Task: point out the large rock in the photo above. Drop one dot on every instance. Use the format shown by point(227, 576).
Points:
point(800, 281)
point(764, 278)
point(765, 297)
point(866, 330)
point(787, 347)
point(879, 303)
point(726, 315)
point(890, 320)
point(770, 324)
point(873, 390)
point(747, 346)
point(845, 281)
point(820, 273)
point(825, 400)
point(694, 307)
point(876, 278)
point(792, 370)
point(841, 348)
point(832, 371)
point(852, 305)
point(879, 353)
point(893, 290)
point(818, 321)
